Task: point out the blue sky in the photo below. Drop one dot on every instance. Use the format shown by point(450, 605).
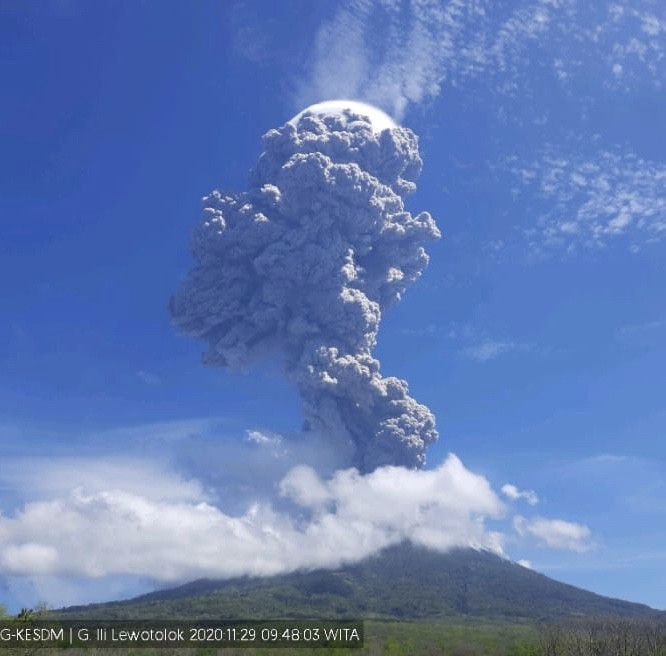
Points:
point(537, 335)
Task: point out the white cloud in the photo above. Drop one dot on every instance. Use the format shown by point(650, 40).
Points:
point(592, 200)
point(476, 345)
point(622, 46)
point(391, 67)
point(635, 37)
point(124, 520)
point(263, 437)
point(488, 350)
point(512, 492)
point(336, 520)
point(525, 563)
point(420, 45)
point(555, 533)
point(423, 45)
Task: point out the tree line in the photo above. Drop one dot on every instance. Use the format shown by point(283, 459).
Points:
point(603, 637)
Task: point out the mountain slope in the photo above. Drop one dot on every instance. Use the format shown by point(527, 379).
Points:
point(402, 582)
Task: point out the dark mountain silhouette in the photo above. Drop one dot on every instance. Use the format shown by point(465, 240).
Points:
point(402, 582)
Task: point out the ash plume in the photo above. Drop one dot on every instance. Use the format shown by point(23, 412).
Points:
point(304, 263)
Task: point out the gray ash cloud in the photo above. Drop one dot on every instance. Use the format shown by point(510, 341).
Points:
point(304, 263)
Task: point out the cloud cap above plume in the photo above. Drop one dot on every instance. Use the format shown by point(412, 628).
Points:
point(379, 120)
point(304, 263)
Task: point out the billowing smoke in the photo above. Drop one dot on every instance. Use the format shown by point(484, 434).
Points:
point(304, 262)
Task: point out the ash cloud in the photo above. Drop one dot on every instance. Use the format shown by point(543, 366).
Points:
point(304, 263)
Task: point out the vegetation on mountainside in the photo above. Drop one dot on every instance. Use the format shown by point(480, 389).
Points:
point(402, 583)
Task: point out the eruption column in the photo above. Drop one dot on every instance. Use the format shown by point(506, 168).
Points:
point(304, 262)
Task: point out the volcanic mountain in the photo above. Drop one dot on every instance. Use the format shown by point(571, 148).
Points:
point(402, 582)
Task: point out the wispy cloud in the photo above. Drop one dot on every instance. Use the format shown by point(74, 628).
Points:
point(589, 201)
point(489, 350)
point(402, 63)
point(474, 343)
point(555, 533)
point(634, 39)
point(512, 492)
point(424, 45)
point(642, 330)
point(263, 437)
point(602, 459)
point(429, 329)
point(148, 378)
point(52, 476)
point(164, 432)
point(421, 45)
